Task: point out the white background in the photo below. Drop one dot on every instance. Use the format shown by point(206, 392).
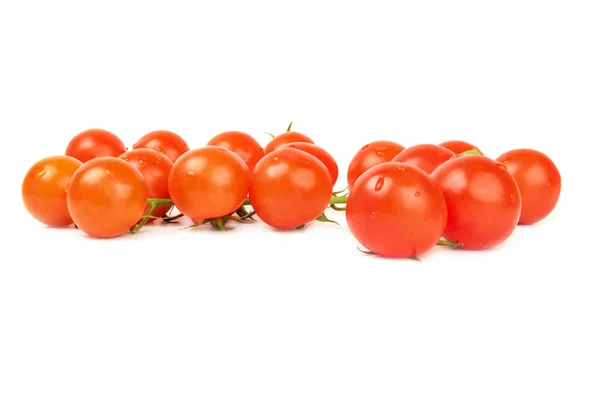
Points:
point(253, 312)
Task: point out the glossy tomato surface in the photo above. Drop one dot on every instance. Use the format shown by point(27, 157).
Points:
point(155, 167)
point(538, 179)
point(208, 182)
point(44, 189)
point(320, 153)
point(95, 143)
point(427, 157)
point(164, 141)
point(458, 146)
point(243, 144)
point(483, 201)
point(370, 155)
point(106, 197)
point(286, 138)
point(396, 210)
point(290, 188)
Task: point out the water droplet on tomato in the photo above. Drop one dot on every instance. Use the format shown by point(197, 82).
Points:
point(417, 193)
point(380, 153)
point(365, 147)
point(42, 172)
point(276, 158)
point(126, 158)
point(305, 161)
point(108, 172)
point(512, 197)
point(142, 162)
point(190, 174)
point(379, 183)
point(373, 214)
point(401, 168)
point(502, 166)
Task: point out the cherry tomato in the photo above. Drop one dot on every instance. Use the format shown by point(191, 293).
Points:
point(95, 143)
point(483, 201)
point(538, 179)
point(290, 188)
point(320, 153)
point(208, 182)
point(164, 141)
point(370, 155)
point(44, 189)
point(459, 147)
point(155, 168)
point(242, 144)
point(106, 197)
point(427, 157)
point(286, 138)
point(396, 210)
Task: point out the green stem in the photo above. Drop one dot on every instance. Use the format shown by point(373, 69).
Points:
point(454, 245)
point(471, 152)
point(290, 126)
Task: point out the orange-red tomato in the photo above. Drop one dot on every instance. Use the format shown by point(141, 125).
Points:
point(95, 143)
point(106, 197)
point(286, 138)
point(155, 168)
point(370, 155)
point(396, 210)
point(483, 201)
point(459, 147)
point(427, 157)
point(538, 179)
point(243, 144)
point(44, 190)
point(209, 182)
point(164, 141)
point(320, 153)
point(290, 188)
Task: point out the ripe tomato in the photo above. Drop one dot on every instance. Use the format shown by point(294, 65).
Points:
point(242, 144)
point(286, 138)
point(164, 141)
point(208, 182)
point(44, 189)
point(459, 147)
point(370, 155)
point(155, 168)
point(106, 197)
point(483, 201)
point(538, 179)
point(320, 153)
point(396, 210)
point(95, 143)
point(290, 188)
point(427, 157)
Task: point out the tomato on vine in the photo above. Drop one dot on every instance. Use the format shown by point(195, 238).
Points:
point(164, 141)
point(286, 138)
point(427, 157)
point(243, 144)
point(370, 155)
point(44, 189)
point(95, 143)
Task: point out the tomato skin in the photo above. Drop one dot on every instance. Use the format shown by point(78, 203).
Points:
point(320, 153)
point(164, 141)
point(44, 189)
point(459, 147)
point(483, 201)
point(208, 182)
point(106, 197)
point(290, 188)
point(242, 144)
point(427, 157)
point(95, 143)
point(539, 182)
point(286, 138)
point(155, 167)
point(370, 155)
point(396, 210)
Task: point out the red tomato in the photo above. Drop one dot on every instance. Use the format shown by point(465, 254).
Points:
point(396, 210)
point(44, 190)
point(483, 201)
point(286, 138)
point(370, 155)
point(320, 153)
point(164, 141)
point(106, 197)
point(242, 144)
point(95, 143)
point(538, 179)
point(155, 168)
point(427, 157)
point(290, 188)
point(208, 182)
point(459, 147)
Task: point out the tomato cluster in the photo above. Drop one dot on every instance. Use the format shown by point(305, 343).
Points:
point(401, 201)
